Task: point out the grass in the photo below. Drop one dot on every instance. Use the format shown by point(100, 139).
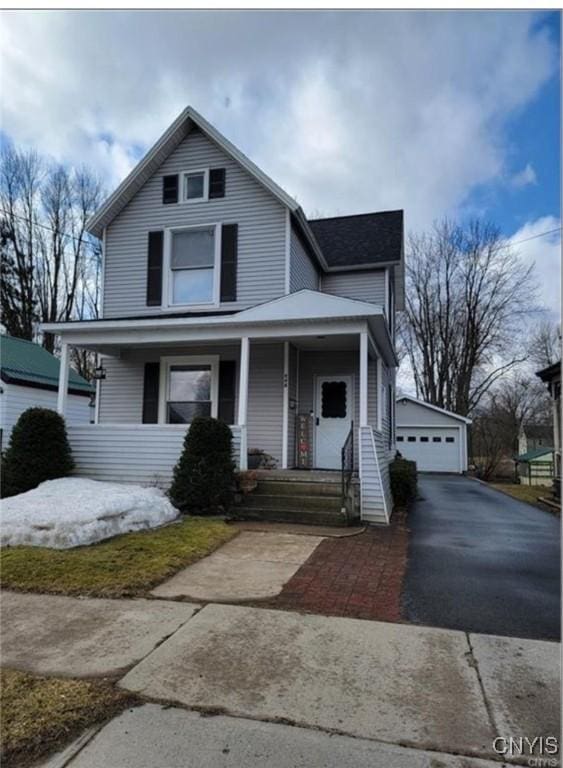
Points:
point(124, 566)
point(41, 714)
point(527, 493)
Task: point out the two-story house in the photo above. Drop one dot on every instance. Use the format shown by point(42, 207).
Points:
point(220, 298)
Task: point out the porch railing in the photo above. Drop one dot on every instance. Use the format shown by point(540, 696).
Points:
point(347, 464)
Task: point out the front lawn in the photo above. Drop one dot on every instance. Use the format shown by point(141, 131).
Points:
point(528, 493)
point(124, 566)
point(41, 714)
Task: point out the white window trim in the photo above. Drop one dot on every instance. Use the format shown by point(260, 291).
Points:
point(167, 362)
point(190, 201)
point(167, 282)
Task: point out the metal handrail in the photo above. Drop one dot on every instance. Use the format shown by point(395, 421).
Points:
point(347, 464)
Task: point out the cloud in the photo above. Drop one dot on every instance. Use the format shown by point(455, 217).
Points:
point(524, 178)
point(544, 252)
point(348, 111)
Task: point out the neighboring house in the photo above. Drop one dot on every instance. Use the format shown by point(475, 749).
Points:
point(534, 436)
point(433, 437)
point(30, 378)
point(221, 298)
point(552, 377)
point(535, 467)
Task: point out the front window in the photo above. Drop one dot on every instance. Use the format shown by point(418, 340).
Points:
point(192, 262)
point(189, 393)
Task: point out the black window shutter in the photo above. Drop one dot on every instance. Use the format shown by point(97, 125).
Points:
point(229, 248)
point(227, 385)
point(170, 189)
point(216, 182)
point(150, 393)
point(154, 269)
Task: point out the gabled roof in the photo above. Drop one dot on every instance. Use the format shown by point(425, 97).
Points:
point(531, 455)
point(307, 305)
point(28, 364)
point(170, 139)
point(364, 239)
point(433, 408)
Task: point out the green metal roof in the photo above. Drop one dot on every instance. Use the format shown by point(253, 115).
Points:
point(23, 362)
point(536, 454)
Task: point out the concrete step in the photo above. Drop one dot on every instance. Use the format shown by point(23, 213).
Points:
point(307, 503)
point(287, 515)
point(298, 488)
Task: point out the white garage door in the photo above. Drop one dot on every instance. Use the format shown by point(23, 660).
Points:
point(435, 449)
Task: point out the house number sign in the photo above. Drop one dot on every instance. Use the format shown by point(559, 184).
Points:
point(304, 436)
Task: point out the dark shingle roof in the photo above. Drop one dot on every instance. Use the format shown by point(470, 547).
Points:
point(366, 238)
point(535, 431)
point(23, 362)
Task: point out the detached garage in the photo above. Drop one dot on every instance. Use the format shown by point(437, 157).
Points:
point(436, 439)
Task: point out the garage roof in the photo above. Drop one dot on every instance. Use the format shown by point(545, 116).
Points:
point(402, 398)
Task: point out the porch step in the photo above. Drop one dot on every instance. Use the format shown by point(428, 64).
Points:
point(291, 515)
point(297, 502)
point(299, 488)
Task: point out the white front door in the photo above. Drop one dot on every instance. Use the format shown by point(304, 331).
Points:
point(334, 408)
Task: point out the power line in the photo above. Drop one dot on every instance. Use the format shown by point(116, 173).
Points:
point(84, 241)
point(533, 237)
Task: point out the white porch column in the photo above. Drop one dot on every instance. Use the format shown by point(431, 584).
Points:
point(363, 379)
point(243, 400)
point(285, 401)
point(63, 379)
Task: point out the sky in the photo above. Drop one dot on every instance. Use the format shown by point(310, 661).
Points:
point(440, 113)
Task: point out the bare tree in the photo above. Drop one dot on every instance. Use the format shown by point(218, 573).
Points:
point(545, 344)
point(50, 264)
point(467, 295)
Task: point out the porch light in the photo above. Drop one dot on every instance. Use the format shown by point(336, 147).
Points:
point(99, 373)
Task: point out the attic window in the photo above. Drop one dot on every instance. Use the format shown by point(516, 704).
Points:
point(195, 186)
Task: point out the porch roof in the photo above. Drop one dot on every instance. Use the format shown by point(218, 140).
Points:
point(303, 313)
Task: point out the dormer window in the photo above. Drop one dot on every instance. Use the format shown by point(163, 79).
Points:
point(195, 186)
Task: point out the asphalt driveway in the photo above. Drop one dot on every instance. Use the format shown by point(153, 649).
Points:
point(481, 562)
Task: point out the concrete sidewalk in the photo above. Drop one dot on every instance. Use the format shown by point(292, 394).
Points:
point(153, 736)
point(419, 687)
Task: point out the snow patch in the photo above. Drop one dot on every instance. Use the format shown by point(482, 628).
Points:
point(74, 511)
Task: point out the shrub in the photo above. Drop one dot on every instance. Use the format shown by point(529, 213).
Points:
point(38, 450)
point(204, 475)
point(403, 481)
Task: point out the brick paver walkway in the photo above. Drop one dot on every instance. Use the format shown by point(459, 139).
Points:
point(358, 576)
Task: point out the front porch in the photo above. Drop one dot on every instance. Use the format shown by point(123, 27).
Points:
point(295, 390)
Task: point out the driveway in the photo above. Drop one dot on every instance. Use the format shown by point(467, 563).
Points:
point(481, 561)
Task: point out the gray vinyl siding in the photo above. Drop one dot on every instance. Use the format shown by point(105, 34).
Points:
point(261, 234)
point(121, 392)
point(302, 271)
point(372, 489)
point(265, 399)
point(364, 286)
point(144, 454)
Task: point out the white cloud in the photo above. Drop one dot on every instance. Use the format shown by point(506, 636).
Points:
point(525, 177)
point(348, 111)
point(544, 253)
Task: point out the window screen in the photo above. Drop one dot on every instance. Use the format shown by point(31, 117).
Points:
point(189, 393)
point(333, 400)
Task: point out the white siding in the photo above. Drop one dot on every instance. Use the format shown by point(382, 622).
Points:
point(261, 235)
point(411, 414)
point(364, 286)
point(373, 491)
point(303, 272)
point(16, 399)
point(265, 398)
point(144, 454)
